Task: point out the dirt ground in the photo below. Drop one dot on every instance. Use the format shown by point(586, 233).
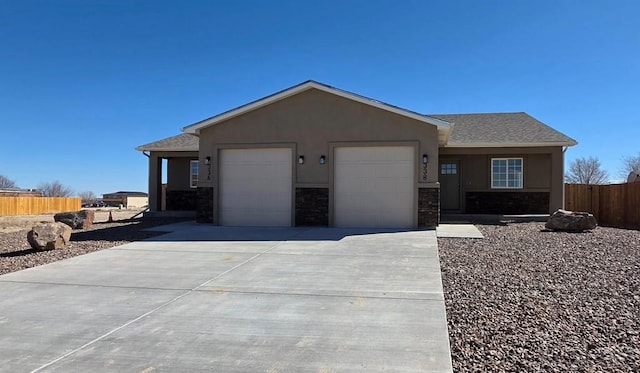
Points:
point(17, 223)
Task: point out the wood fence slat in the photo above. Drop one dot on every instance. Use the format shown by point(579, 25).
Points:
point(11, 206)
point(615, 205)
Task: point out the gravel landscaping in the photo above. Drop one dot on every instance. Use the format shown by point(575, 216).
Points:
point(16, 254)
point(524, 299)
point(521, 299)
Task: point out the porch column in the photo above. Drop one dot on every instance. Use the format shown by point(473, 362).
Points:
point(155, 182)
point(556, 197)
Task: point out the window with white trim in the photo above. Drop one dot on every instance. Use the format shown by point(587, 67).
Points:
point(195, 168)
point(506, 173)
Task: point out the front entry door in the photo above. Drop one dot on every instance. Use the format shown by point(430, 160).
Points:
point(450, 184)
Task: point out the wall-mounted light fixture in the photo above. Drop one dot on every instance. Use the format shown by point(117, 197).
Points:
point(207, 160)
point(301, 159)
point(425, 159)
point(323, 159)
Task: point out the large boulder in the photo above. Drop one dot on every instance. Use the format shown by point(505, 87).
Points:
point(571, 221)
point(77, 219)
point(49, 236)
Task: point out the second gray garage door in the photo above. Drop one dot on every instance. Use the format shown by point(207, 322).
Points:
point(374, 187)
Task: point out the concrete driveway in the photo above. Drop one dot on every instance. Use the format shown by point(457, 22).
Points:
point(206, 298)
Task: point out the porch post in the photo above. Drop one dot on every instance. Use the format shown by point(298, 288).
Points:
point(556, 197)
point(155, 182)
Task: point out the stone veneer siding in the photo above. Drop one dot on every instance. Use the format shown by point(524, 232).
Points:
point(204, 211)
point(312, 207)
point(181, 200)
point(507, 202)
point(428, 207)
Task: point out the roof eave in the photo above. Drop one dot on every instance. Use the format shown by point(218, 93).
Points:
point(196, 127)
point(511, 145)
point(141, 149)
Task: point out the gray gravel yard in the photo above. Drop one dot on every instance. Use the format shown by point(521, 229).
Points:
point(524, 299)
point(521, 299)
point(16, 254)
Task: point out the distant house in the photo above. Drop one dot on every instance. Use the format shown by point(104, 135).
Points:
point(317, 155)
point(126, 199)
point(20, 193)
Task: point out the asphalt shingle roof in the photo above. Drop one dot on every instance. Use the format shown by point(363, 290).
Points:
point(487, 129)
point(130, 194)
point(500, 129)
point(182, 142)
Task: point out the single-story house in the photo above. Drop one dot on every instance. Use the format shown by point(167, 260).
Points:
point(315, 155)
point(126, 199)
point(15, 192)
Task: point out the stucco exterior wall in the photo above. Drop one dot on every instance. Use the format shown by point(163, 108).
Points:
point(311, 122)
point(177, 168)
point(137, 202)
point(543, 170)
point(179, 173)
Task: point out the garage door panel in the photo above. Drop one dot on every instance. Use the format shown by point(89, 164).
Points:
point(256, 187)
point(374, 187)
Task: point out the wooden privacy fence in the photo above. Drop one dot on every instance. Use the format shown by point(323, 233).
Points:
point(37, 205)
point(615, 205)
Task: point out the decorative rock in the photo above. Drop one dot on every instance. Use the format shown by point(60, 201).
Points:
point(49, 236)
point(571, 221)
point(76, 220)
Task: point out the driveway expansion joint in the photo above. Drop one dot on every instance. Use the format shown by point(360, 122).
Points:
point(293, 302)
point(148, 313)
point(94, 285)
point(358, 295)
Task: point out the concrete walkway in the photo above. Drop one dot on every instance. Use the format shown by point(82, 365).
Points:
point(450, 230)
point(207, 298)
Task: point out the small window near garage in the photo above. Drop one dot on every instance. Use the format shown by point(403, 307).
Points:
point(448, 168)
point(195, 168)
point(506, 173)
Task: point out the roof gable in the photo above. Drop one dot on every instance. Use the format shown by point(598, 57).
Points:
point(195, 128)
point(502, 130)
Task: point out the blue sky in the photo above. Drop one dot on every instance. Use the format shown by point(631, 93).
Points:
point(82, 83)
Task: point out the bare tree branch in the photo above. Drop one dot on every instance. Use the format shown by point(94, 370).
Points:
point(586, 171)
point(6, 183)
point(630, 164)
point(88, 197)
point(55, 189)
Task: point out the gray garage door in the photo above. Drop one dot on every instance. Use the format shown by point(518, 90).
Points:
point(374, 186)
point(256, 187)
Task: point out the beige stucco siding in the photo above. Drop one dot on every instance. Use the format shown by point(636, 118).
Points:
point(137, 202)
point(179, 173)
point(177, 167)
point(312, 123)
point(543, 169)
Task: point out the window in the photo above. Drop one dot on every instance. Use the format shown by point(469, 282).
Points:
point(194, 173)
point(506, 173)
point(448, 168)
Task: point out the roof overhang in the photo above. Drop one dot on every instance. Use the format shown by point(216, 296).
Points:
point(444, 127)
point(169, 149)
point(510, 145)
